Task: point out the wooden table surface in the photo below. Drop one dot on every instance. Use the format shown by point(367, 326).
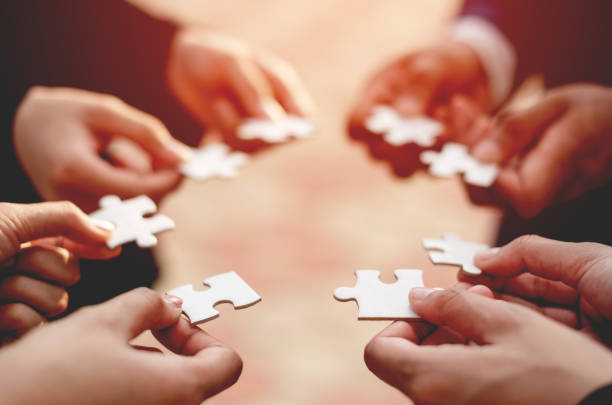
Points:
point(302, 217)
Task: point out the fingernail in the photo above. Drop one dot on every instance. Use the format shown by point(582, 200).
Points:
point(419, 293)
point(102, 224)
point(171, 299)
point(486, 255)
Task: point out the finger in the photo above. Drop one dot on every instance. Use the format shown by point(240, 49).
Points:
point(215, 366)
point(445, 335)
point(528, 286)
point(478, 318)
point(49, 263)
point(79, 250)
point(540, 175)
point(253, 92)
point(46, 298)
point(138, 310)
point(565, 316)
point(124, 153)
point(553, 260)
point(226, 117)
point(287, 86)
point(515, 131)
point(19, 317)
point(116, 118)
point(20, 223)
point(101, 177)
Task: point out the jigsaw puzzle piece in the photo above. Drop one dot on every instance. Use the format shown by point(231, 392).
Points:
point(454, 159)
point(452, 250)
point(276, 131)
point(378, 300)
point(225, 287)
point(398, 130)
point(213, 161)
point(130, 223)
point(143, 232)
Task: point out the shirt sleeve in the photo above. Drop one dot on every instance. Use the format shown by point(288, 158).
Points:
point(565, 40)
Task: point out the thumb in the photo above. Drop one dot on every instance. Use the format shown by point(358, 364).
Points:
point(120, 119)
point(514, 132)
point(138, 310)
point(20, 223)
point(474, 316)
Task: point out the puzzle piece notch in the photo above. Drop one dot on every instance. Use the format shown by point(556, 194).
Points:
point(399, 130)
point(214, 160)
point(452, 250)
point(130, 223)
point(378, 300)
point(454, 159)
point(276, 131)
point(225, 287)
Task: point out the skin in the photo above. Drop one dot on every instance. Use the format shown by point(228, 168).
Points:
point(489, 352)
point(91, 350)
point(554, 151)
point(73, 168)
point(442, 81)
point(39, 247)
point(567, 282)
point(222, 81)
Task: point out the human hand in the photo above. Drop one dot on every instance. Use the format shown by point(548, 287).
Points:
point(222, 82)
point(568, 282)
point(87, 357)
point(554, 151)
point(442, 82)
point(510, 354)
point(39, 247)
point(60, 134)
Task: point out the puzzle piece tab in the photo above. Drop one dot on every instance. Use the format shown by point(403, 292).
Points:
point(224, 287)
point(453, 159)
point(130, 223)
point(454, 251)
point(213, 161)
point(378, 300)
point(276, 131)
point(398, 130)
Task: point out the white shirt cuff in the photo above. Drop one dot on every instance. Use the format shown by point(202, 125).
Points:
point(496, 53)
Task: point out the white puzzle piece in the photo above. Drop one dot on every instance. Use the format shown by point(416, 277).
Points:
point(276, 131)
point(454, 251)
point(453, 159)
point(224, 287)
point(378, 300)
point(398, 130)
point(214, 160)
point(130, 223)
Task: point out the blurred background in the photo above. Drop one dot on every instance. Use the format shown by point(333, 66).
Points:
point(302, 217)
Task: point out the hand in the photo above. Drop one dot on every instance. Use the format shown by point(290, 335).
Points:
point(60, 134)
point(568, 282)
point(86, 357)
point(441, 82)
point(222, 82)
point(554, 151)
point(39, 246)
point(516, 355)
